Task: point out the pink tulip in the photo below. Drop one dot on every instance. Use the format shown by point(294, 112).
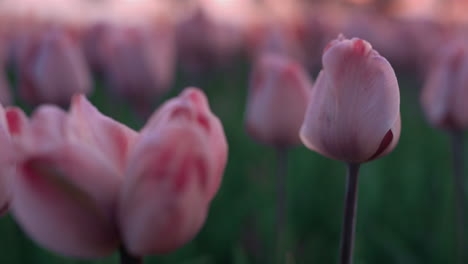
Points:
point(353, 113)
point(52, 68)
point(204, 43)
point(278, 97)
point(7, 166)
point(140, 61)
point(5, 94)
point(70, 168)
point(174, 171)
point(446, 90)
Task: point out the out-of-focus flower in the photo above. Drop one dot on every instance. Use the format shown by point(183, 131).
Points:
point(446, 89)
point(70, 167)
point(354, 108)
point(140, 61)
point(278, 97)
point(7, 166)
point(174, 171)
point(5, 93)
point(51, 68)
point(204, 43)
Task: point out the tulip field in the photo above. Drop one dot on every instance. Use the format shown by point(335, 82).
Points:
point(242, 132)
point(405, 211)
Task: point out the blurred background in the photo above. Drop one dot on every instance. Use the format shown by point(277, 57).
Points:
point(129, 56)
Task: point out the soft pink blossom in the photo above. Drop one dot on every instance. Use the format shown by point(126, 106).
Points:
point(354, 108)
point(277, 101)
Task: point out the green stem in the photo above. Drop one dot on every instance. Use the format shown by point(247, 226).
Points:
point(127, 258)
point(459, 193)
point(281, 199)
point(349, 216)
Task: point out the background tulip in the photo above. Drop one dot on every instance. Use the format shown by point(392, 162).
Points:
point(5, 94)
point(140, 61)
point(277, 101)
point(444, 102)
point(7, 166)
point(52, 68)
point(278, 95)
point(174, 171)
point(446, 90)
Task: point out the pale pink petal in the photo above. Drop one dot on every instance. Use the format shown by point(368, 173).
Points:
point(192, 107)
point(88, 126)
point(65, 200)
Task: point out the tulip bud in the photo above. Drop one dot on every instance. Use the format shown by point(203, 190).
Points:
point(446, 89)
point(53, 69)
point(278, 96)
point(69, 178)
point(174, 171)
point(353, 113)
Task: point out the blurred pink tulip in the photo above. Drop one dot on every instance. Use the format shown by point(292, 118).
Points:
point(446, 89)
point(174, 171)
point(353, 113)
point(5, 93)
point(7, 166)
point(278, 97)
point(52, 68)
point(204, 43)
point(70, 168)
point(140, 61)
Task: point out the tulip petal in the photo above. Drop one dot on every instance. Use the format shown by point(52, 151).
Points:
point(65, 199)
point(191, 106)
point(89, 126)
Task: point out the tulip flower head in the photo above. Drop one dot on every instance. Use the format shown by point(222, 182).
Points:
point(353, 113)
point(446, 90)
point(69, 175)
point(176, 169)
point(278, 97)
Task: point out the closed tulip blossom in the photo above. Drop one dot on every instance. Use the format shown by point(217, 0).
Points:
point(354, 108)
point(444, 102)
point(278, 96)
point(140, 62)
point(277, 101)
point(353, 116)
point(446, 89)
point(175, 170)
point(52, 68)
point(70, 169)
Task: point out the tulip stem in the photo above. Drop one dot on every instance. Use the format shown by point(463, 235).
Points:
point(281, 198)
point(459, 193)
point(126, 258)
point(349, 215)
